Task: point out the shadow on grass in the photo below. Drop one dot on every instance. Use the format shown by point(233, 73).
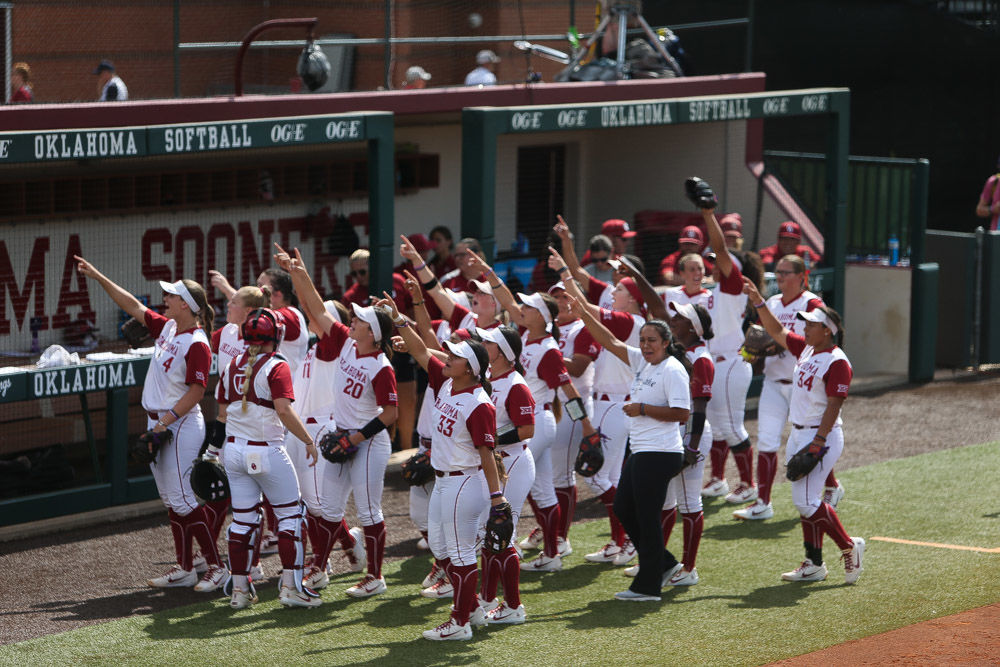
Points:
point(758, 530)
point(415, 651)
point(568, 579)
point(606, 613)
point(138, 601)
point(786, 594)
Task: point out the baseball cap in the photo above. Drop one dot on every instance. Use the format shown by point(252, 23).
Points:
point(486, 56)
point(615, 227)
point(420, 242)
point(790, 230)
point(367, 314)
point(417, 72)
point(687, 311)
point(691, 234)
point(732, 225)
point(104, 65)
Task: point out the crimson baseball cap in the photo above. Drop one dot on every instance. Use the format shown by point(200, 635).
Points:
point(790, 230)
point(615, 227)
point(691, 234)
point(420, 242)
point(732, 225)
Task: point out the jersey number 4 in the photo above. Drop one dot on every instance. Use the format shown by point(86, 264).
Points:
point(446, 426)
point(806, 382)
point(166, 364)
point(353, 388)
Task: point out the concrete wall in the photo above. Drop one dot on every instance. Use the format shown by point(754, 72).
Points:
point(877, 319)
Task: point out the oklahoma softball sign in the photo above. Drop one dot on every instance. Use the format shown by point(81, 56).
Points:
point(49, 383)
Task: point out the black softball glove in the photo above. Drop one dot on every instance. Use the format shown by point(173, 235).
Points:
point(146, 447)
point(336, 446)
point(499, 528)
point(417, 470)
point(590, 458)
point(700, 193)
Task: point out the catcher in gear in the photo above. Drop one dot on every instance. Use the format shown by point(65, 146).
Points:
point(147, 446)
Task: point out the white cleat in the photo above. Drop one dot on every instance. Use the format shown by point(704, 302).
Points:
point(669, 574)
point(268, 544)
point(357, 556)
point(565, 548)
point(543, 564)
point(757, 511)
point(715, 487)
point(449, 630)
point(477, 618)
point(441, 589)
point(257, 573)
point(505, 614)
point(631, 571)
point(290, 597)
point(684, 578)
point(852, 560)
point(533, 540)
point(316, 578)
point(742, 494)
point(606, 554)
point(626, 555)
point(806, 572)
point(435, 575)
point(175, 577)
point(215, 576)
point(367, 587)
point(422, 544)
point(199, 563)
point(629, 595)
point(833, 494)
point(242, 599)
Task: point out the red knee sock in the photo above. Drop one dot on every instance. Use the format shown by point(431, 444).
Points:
point(375, 548)
point(510, 568)
point(290, 548)
point(694, 525)
point(767, 465)
point(831, 479)
point(217, 512)
point(567, 507)
point(490, 565)
point(717, 457)
point(198, 526)
point(617, 530)
point(182, 540)
point(239, 552)
point(464, 578)
point(423, 534)
point(548, 519)
point(344, 536)
point(327, 533)
point(312, 527)
point(667, 519)
point(744, 464)
point(811, 532)
point(827, 520)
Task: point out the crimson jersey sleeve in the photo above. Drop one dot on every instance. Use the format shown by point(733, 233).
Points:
point(585, 344)
point(552, 369)
point(795, 343)
point(520, 405)
point(618, 323)
point(329, 346)
point(291, 322)
point(280, 382)
point(769, 255)
point(813, 304)
point(458, 314)
point(216, 337)
point(733, 283)
point(435, 373)
point(384, 384)
point(199, 361)
point(838, 378)
point(595, 289)
point(702, 376)
point(400, 295)
point(155, 322)
point(482, 425)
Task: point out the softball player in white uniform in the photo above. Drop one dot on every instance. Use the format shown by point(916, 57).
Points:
point(515, 414)
point(364, 387)
point(611, 392)
point(727, 305)
point(775, 395)
point(255, 398)
point(462, 456)
point(820, 383)
point(692, 269)
point(174, 385)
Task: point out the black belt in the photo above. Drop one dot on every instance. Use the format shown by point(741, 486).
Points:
point(783, 381)
point(800, 426)
point(253, 443)
point(454, 473)
point(504, 454)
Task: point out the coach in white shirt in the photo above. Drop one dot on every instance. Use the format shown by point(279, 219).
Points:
point(484, 74)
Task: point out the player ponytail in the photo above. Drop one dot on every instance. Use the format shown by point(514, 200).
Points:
point(484, 364)
point(206, 314)
point(553, 307)
point(385, 325)
point(835, 317)
point(252, 352)
point(674, 347)
point(253, 297)
point(706, 321)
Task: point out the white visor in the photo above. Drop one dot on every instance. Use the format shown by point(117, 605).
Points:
point(180, 289)
point(367, 314)
point(559, 285)
point(465, 351)
point(332, 309)
point(687, 311)
point(536, 301)
point(614, 264)
point(485, 288)
point(819, 317)
point(495, 335)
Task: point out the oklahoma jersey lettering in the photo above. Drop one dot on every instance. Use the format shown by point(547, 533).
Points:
point(462, 421)
point(227, 343)
point(179, 359)
point(362, 383)
point(817, 375)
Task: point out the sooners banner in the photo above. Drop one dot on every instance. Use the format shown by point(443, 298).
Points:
point(39, 281)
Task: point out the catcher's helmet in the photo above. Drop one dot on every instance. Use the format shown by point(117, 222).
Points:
point(263, 325)
point(314, 68)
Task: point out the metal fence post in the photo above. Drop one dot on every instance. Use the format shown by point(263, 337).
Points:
point(117, 444)
point(977, 304)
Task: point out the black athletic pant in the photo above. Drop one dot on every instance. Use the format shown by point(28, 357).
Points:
point(638, 503)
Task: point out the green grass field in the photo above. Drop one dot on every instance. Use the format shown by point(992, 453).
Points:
point(740, 613)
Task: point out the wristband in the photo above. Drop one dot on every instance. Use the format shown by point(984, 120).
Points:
point(564, 268)
point(819, 437)
point(508, 435)
point(160, 422)
point(401, 322)
point(758, 305)
point(496, 494)
point(422, 266)
point(176, 416)
point(497, 286)
point(642, 409)
point(373, 428)
point(218, 435)
point(430, 284)
point(575, 409)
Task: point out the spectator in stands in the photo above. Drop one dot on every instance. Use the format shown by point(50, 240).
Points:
point(20, 84)
point(416, 78)
point(358, 292)
point(485, 72)
point(620, 234)
point(443, 260)
point(690, 240)
point(459, 279)
point(732, 229)
point(600, 255)
point(989, 200)
point(789, 235)
point(423, 246)
point(110, 87)
point(542, 276)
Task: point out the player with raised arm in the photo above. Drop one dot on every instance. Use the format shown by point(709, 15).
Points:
point(175, 384)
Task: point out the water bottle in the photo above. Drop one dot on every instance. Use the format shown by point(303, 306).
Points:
point(893, 250)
